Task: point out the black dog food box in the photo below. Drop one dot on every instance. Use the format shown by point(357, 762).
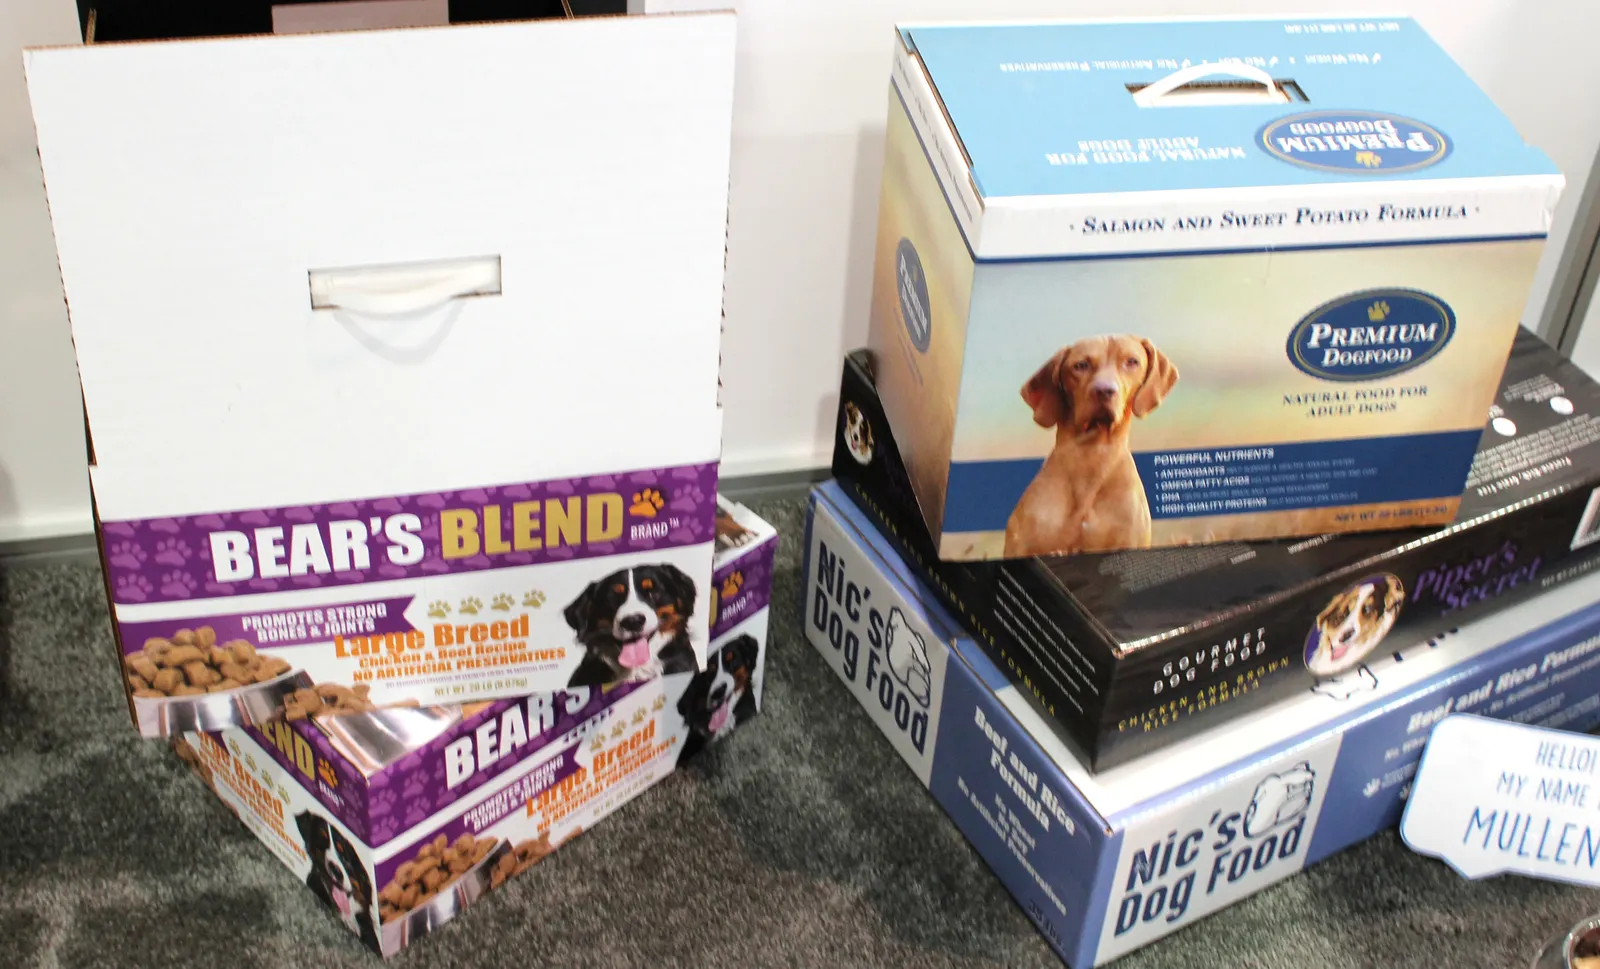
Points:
point(1128, 651)
point(400, 818)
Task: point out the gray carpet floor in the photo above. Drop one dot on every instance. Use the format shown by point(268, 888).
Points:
point(800, 841)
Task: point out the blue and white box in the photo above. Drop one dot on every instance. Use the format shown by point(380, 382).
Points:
point(1153, 283)
point(1105, 863)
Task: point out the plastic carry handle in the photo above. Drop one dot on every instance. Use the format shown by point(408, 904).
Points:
point(403, 290)
point(1151, 96)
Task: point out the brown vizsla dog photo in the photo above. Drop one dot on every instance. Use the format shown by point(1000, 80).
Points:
point(1087, 496)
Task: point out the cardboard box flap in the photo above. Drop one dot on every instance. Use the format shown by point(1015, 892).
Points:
point(1054, 109)
point(196, 187)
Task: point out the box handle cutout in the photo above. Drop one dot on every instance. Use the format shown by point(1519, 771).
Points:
point(1179, 89)
point(408, 289)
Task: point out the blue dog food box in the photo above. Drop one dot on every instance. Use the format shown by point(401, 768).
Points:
point(1105, 863)
point(399, 818)
point(1161, 283)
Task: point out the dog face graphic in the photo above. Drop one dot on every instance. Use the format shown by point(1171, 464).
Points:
point(1100, 383)
point(1353, 623)
point(1280, 799)
point(626, 618)
point(907, 654)
point(857, 433)
point(712, 703)
point(337, 872)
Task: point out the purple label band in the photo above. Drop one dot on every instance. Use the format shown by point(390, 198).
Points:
point(347, 542)
point(743, 587)
point(512, 800)
point(332, 780)
point(484, 746)
point(285, 627)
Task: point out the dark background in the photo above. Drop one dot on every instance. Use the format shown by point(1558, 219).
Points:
point(118, 20)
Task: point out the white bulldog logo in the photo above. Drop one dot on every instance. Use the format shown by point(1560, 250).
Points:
point(1279, 799)
point(908, 657)
point(1346, 685)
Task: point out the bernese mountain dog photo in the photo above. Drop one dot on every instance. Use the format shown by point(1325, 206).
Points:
point(722, 696)
point(337, 874)
point(633, 625)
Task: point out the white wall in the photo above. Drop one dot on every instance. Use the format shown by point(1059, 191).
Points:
point(1586, 352)
point(44, 488)
point(808, 128)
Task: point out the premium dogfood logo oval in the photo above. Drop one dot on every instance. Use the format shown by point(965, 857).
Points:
point(913, 286)
point(1371, 335)
point(1362, 142)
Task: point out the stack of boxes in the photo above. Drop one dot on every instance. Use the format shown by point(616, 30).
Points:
point(408, 510)
point(1197, 465)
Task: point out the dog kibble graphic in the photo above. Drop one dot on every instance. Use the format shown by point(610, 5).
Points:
point(192, 663)
point(908, 657)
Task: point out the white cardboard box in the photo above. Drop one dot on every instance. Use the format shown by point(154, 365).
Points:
point(401, 336)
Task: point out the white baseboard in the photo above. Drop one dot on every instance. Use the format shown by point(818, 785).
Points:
point(46, 528)
point(765, 464)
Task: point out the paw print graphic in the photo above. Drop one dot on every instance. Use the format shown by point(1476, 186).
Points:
point(233, 745)
point(126, 555)
point(250, 762)
point(382, 803)
point(283, 794)
point(732, 584)
point(178, 585)
point(598, 743)
point(325, 772)
point(470, 606)
point(173, 551)
point(619, 729)
point(693, 494)
point(502, 602)
point(638, 716)
point(534, 599)
point(133, 588)
point(647, 503)
point(1368, 159)
point(438, 609)
point(659, 705)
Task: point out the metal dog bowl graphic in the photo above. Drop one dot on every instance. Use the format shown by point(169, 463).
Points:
point(255, 703)
point(446, 905)
point(374, 740)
